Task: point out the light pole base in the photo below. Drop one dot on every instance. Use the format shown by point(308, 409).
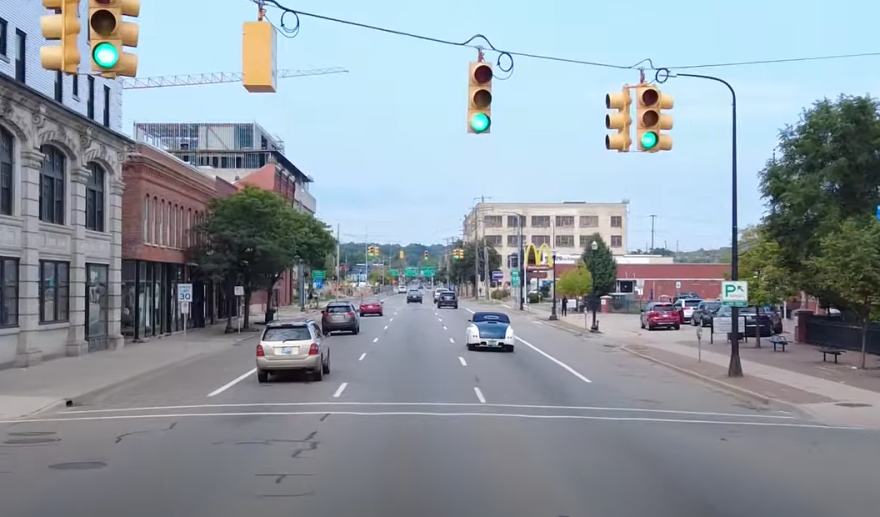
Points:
point(553, 316)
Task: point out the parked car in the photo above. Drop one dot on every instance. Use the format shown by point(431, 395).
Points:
point(660, 315)
point(340, 317)
point(686, 307)
point(704, 312)
point(292, 346)
point(755, 318)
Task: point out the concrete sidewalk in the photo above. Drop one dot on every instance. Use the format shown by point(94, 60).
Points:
point(65, 381)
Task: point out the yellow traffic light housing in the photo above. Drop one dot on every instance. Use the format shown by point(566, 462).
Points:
point(620, 121)
point(479, 111)
point(108, 34)
point(652, 120)
point(259, 70)
point(63, 26)
point(401, 255)
point(426, 255)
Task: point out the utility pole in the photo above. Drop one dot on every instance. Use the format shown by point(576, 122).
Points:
point(338, 276)
point(486, 272)
point(653, 217)
point(476, 253)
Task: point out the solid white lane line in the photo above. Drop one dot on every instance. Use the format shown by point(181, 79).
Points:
point(232, 383)
point(555, 360)
point(340, 390)
point(386, 327)
point(480, 396)
point(469, 310)
point(462, 361)
point(375, 339)
point(361, 358)
point(451, 340)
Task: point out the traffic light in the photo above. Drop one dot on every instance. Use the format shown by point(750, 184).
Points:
point(480, 98)
point(621, 121)
point(458, 253)
point(401, 255)
point(651, 120)
point(108, 34)
point(63, 26)
point(426, 254)
point(259, 57)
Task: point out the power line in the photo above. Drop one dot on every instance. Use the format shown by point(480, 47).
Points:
point(505, 57)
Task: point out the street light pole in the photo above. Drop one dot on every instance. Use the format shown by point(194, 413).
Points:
point(593, 298)
point(734, 369)
point(522, 266)
point(553, 316)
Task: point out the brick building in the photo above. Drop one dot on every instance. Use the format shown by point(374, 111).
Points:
point(164, 199)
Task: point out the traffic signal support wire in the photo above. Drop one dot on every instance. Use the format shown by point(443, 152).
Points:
point(504, 61)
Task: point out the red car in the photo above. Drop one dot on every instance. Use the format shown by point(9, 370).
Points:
point(371, 306)
point(660, 315)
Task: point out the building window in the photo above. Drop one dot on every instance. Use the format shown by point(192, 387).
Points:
point(589, 221)
point(3, 36)
point(180, 231)
point(493, 221)
point(173, 226)
point(513, 221)
point(189, 215)
point(59, 86)
point(540, 240)
point(161, 219)
point(565, 221)
point(97, 302)
point(20, 55)
point(8, 292)
point(52, 185)
point(54, 291)
point(154, 221)
point(168, 239)
point(146, 217)
point(6, 176)
point(95, 198)
point(565, 241)
point(494, 241)
point(585, 240)
point(90, 102)
point(106, 106)
point(540, 221)
point(513, 241)
point(616, 221)
point(75, 88)
point(616, 241)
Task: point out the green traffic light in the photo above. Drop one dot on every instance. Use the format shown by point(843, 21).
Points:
point(480, 122)
point(649, 140)
point(105, 55)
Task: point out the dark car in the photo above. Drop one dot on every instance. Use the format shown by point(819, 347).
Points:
point(702, 315)
point(339, 317)
point(447, 299)
point(414, 296)
point(755, 318)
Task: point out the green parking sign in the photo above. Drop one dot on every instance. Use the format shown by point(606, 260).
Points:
point(735, 293)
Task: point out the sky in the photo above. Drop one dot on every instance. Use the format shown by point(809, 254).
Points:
point(387, 146)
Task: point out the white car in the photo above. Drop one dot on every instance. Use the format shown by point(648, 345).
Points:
point(401, 289)
point(490, 330)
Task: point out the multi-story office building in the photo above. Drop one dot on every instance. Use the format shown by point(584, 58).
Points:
point(60, 199)
point(565, 228)
point(232, 151)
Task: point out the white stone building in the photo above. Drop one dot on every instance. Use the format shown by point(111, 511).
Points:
point(60, 201)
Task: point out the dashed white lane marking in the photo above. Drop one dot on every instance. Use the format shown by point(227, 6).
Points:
point(392, 319)
point(361, 358)
point(462, 361)
point(444, 327)
point(340, 390)
point(232, 383)
point(480, 396)
point(555, 360)
point(440, 320)
point(375, 339)
point(386, 327)
point(469, 310)
point(451, 340)
point(507, 306)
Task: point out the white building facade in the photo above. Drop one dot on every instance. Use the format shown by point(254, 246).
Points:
point(60, 200)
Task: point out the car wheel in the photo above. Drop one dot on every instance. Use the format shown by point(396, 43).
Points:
point(508, 348)
point(362, 315)
point(455, 306)
point(326, 366)
point(262, 376)
point(381, 314)
point(677, 327)
point(318, 374)
point(471, 347)
point(356, 330)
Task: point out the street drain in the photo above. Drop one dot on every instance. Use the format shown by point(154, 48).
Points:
point(79, 465)
point(852, 404)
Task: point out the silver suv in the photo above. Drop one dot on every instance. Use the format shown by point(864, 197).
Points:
point(292, 346)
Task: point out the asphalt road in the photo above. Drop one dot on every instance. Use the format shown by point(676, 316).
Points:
point(410, 423)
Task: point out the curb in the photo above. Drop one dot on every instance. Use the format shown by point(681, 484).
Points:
point(731, 388)
point(81, 398)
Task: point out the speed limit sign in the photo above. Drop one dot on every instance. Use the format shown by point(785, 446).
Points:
point(184, 292)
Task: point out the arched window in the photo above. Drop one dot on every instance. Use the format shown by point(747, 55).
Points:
point(95, 198)
point(146, 217)
point(162, 239)
point(173, 232)
point(6, 171)
point(154, 221)
point(52, 185)
point(189, 216)
point(181, 231)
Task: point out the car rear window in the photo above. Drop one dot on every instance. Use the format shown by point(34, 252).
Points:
point(414, 292)
point(491, 316)
point(287, 334)
point(691, 303)
point(371, 301)
point(663, 308)
point(447, 295)
point(338, 308)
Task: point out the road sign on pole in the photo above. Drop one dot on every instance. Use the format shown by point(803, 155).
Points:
point(319, 275)
point(184, 292)
point(514, 278)
point(497, 275)
point(393, 272)
point(428, 272)
point(735, 293)
point(411, 271)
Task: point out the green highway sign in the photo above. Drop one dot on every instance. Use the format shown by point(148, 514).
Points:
point(319, 275)
point(411, 271)
point(393, 272)
point(514, 278)
point(429, 271)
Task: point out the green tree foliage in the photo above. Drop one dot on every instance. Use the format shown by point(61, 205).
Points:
point(826, 172)
point(462, 271)
point(849, 265)
point(575, 282)
point(251, 237)
point(601, 263)
point(761, 266)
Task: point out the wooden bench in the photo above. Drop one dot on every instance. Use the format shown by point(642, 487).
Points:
point(830, 351)
point(779, 342)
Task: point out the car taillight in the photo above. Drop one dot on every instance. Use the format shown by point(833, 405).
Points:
point(653, 314)
point(313, 349)
point(260, 351)
point(351, 313)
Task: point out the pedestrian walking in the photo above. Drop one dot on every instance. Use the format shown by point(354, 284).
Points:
point(564, 306)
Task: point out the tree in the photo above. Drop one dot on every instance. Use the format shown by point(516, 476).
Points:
point(462, 270)
point(760, 264)
point(849, 265)
point(575, 282)
point(825, 173)
point(602, 265)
